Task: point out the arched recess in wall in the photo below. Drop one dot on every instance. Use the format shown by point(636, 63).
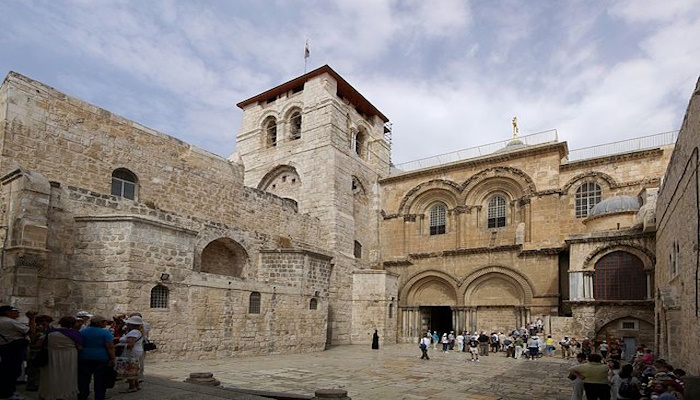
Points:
point(647, 256)
point(283, 181)
point(496, 286)
point(293, 122)
point(224, 256)
point(604, 180)
point(417, 200)
point(622, 315)
point(504, 179)
point(430, 288)
point(361, 214)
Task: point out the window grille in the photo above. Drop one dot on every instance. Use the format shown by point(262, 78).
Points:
point(497, 212)
point(313, 304)
point(124, 184)
point(629, 325)
point(619, 276)
point(587, 196)
point(438, 214)
point(159, 296)
point(254, 304)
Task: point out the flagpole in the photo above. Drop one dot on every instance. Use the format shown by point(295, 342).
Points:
point(307, 54)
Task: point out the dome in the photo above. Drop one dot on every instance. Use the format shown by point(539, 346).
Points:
point(615, 205)
point(514, 144)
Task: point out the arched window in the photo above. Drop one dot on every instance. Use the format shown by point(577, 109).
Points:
point(295, 125)
point(270, 129)
point(587, 196)
point(358, 142)
point(437, 219)
point(497, 212)
point(358, 249)
point(159, 296)
point(313, 304)
point(124, 183)
point(619, 276)
point(254, 304)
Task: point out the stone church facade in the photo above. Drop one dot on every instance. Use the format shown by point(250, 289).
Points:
point(308, 236)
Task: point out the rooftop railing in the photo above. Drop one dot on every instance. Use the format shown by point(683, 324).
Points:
point(483, 150)
point(623, 146)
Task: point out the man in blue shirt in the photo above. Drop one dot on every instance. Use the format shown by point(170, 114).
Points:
point(96, 356)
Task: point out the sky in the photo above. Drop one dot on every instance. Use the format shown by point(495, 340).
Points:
point(449, 74)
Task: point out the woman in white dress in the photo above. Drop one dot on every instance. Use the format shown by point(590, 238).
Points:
point(133, 349)
point(59, 377)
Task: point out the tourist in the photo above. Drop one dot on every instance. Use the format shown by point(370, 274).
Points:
point(519, 346)
point(549, 346)
point(451, 339)
point(375, 340)
point(494, 342)
point(533, 347)
point(133, 350)
point(595, 378)
point(445, 342)
point(436, 339)
point(83, 318)
point(624, 376)
point(474, 348)
point(603, 348)
point(483, 344)
point(424, 345)
point(94, 358)
point(14, 339)
point(31, 370)
point(59, 377)
point(460, 342)
point(577, 382)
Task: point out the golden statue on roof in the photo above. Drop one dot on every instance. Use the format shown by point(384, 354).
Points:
point(515, 127)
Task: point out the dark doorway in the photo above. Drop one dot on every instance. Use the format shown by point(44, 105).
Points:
point(440, 318)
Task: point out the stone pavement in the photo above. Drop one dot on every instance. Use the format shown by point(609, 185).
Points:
point(392, 372)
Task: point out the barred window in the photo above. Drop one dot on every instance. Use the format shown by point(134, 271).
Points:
point(313, 304)
point(254, 304)
point(159, 296)
point(619, 276)
point(124, 183)
point(587, 196)
point(437, 219)
point(497, 212)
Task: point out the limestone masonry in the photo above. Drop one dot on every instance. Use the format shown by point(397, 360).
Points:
point(308, 236)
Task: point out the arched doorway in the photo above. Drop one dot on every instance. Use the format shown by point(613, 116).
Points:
point(429, 305)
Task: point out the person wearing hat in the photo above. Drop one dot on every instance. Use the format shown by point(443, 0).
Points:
point(133, 350)
point(14, 338)
point(83, 318)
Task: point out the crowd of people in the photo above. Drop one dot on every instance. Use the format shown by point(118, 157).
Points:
point(61, 360)
point(602, 370)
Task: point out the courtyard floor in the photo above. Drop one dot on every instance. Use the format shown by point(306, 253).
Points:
point(392, 372)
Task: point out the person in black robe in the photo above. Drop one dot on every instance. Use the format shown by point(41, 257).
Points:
point(375, 340)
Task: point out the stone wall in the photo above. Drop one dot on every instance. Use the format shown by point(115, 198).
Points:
point(677, 216)
point(105, 253)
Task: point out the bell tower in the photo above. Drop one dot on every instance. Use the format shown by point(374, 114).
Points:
point(316, 140)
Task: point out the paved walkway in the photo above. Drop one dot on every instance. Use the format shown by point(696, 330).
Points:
point(392, 372)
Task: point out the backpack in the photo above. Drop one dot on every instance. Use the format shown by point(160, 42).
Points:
point(629, 390)
point(422, 345)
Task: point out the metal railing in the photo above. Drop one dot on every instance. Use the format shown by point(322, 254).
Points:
point(486, 149)
point(624, 146)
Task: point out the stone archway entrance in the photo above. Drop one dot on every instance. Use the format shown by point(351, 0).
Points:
point(429, 305)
